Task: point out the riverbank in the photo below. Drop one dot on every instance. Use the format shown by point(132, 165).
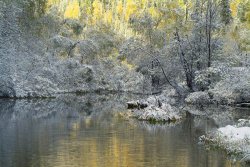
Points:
point(235, 140)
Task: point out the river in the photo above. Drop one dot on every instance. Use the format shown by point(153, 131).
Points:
point(86, 130)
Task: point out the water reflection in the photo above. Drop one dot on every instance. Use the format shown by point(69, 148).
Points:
point(86, 131)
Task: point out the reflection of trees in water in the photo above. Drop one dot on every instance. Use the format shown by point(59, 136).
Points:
point(62, 106)
point(181, 141)
point(97, 139)
point(36, 127)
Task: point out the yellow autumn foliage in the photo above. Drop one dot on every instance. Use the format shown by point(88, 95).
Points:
point(247, 16)
point(234, 7)
point(153, 12)
point(131, 8)
point(52, 2)
point(72, 10)
point(119, 8)
point(97, 10)
point(126, 64)
point(108, 16)
point(182, 4)
point(116, 13)
point(144, 3)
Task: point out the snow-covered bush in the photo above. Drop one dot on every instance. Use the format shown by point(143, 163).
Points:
point(198, 98)
point(234, 87)
point(207, 78)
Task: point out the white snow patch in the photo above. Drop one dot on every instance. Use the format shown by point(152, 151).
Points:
point(235, 134)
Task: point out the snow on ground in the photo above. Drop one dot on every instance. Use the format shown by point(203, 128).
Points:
point(232, 133)
point(234, 139)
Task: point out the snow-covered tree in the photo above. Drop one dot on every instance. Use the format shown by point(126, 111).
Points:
point(226, 16)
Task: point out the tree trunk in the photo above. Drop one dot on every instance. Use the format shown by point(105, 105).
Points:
point(186, 66)
point(209, 29)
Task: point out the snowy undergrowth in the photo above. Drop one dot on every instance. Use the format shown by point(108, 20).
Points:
point(231, 133)
point(234, 139)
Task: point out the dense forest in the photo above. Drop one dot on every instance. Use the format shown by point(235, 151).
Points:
point(187, 44)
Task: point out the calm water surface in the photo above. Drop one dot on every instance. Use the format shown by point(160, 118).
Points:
point(79, 131)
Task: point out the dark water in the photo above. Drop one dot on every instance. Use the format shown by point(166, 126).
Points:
point(79, 131)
